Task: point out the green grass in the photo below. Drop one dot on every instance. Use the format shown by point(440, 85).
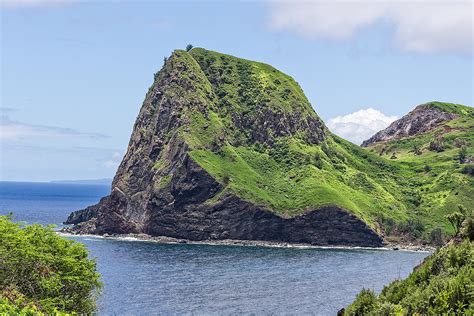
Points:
point(452, 108)
point(292, 178)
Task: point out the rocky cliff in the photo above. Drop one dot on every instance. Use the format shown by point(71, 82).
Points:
point(227, 148)
point(422, 119)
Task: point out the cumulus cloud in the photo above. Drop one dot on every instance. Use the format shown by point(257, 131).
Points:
point(422, 26)
point(14, 130)
point(359, 126)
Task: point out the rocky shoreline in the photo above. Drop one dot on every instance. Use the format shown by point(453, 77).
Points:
point(245, 243)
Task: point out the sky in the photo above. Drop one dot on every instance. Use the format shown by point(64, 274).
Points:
point(74, 73)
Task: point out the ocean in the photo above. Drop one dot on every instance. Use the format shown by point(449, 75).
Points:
point(147, 278)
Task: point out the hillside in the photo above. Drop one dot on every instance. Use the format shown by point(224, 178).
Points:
point(433, 148)
point(226, 148)
point(440, 285)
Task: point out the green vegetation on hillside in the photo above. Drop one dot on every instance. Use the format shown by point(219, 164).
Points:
point(441, 285)
point(291, 173)
point(43, 273)
point(437, 165)
point(253, 129)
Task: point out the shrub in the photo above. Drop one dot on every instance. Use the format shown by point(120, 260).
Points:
point(456, 219)
point(436, 236)
point(387, 223)
point(364, 303)
point(43, 271)
point(388, 309)
point(436, 145)
point(416, 150)
point(189, 47)
point(459, 143)
point(414, 228)
point(441, 285)
point(467, 227)
point(226, 179)
point(468, 169)
point(462, 154)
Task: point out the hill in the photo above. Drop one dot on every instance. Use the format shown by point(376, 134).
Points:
point(432, 146)
point(440, 285)
point(226, 148)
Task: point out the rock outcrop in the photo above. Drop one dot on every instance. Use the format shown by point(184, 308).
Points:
point(196, 106)
point(422, 119)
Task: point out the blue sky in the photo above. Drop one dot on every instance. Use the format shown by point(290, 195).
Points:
point(74, 73)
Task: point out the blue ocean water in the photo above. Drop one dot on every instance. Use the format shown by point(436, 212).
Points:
point(145, 278)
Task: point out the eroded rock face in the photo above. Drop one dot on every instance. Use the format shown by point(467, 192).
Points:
point(160, 190)
point(186, 211)
point(422, 119)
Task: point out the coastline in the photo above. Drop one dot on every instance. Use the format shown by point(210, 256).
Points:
point(249, 243)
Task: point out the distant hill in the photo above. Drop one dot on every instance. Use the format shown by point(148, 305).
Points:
point(104, 181)
point(433, 146)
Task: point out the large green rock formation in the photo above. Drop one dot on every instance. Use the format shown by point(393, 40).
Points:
point(226, 148)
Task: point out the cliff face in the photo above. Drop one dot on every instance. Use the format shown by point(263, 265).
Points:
point(422, 119)
point(225, 148)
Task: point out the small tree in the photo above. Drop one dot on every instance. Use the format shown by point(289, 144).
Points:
point(456, 220)
point(436, 145)
point(436, 236)
point(417, 150)
point(462, 154)
point(165, 59)
point(189, 47)
point(468, 169)
point(462, 209)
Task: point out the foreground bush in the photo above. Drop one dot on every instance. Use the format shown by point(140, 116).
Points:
point(441, 285)
point(41, 272)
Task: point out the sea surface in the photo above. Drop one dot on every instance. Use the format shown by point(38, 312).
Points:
point(146, 278)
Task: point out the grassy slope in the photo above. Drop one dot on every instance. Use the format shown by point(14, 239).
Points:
point(293, 176)
point(441, 285)
point(436, 175)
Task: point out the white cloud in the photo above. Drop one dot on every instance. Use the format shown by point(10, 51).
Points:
point(359, 126)
point(13, 131)
point(419, 25)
